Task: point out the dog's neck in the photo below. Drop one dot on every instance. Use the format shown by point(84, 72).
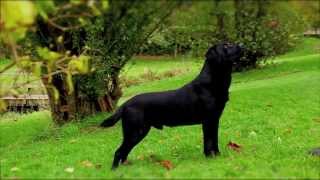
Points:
point(215, 78)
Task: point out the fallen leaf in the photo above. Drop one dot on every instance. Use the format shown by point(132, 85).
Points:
point(269, 105)
point(72, 141)
point(177, 137)
point(14, 169)
point(140, 157)
point(86, 163)
point(234, 146)
point(238, 133)
point(69, 169)
point(316, 119)
point(98, 166)
point(288, 130)
point(89, 129)
point(166, 164)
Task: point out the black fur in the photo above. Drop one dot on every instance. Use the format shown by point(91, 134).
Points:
point(199, 102)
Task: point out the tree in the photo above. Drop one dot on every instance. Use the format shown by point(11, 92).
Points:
point(13, 29)
point(309, 10)
point(266, 29)
point(219, 12)
point(248, 22)
point(108, 36)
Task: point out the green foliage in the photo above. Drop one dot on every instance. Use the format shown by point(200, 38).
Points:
point(45, 8)
point(79, 64)
point(15, 24)
point(41, 61)
point(115, 36)
point(108, 35)
point(190, 31)
point(47, 55)
point(273, 33)
point(309, 10)
point(266, 28)
point(13, 27)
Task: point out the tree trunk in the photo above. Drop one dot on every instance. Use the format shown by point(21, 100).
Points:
point(220, 15)
point(238, 16)
point(262, 11)
point(175, 50)
point(72, 106)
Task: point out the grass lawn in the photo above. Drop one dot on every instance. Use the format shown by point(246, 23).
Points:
point(273, 114)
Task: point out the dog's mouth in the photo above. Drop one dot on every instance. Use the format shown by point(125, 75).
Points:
point(237, 56)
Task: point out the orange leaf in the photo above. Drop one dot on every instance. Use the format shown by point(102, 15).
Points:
point(86, 163)
point(166, 164)
point(98, 166)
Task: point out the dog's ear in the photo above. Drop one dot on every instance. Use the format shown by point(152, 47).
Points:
point(211, 53)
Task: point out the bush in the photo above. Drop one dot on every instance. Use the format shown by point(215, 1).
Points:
point(265, 28)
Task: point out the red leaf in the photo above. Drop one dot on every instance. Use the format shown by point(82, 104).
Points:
point(234, 146)
point(166, 164)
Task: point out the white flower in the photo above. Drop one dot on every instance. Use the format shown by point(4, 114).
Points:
point(252, 134)
point(69, 169)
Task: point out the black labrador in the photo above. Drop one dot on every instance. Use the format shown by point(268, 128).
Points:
point(199, 102)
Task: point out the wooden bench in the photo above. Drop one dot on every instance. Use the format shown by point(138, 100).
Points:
point(26, 103)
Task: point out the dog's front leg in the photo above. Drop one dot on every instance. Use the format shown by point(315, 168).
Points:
point(210, 127)
point(210, 137)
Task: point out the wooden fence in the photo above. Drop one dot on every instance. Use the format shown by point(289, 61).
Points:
point(26, 103)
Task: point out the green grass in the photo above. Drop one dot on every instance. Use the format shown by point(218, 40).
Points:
point(273, 113)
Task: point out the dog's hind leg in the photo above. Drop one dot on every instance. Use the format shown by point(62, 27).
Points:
point(132, 135)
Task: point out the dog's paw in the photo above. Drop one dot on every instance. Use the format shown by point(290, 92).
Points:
point(216, 153)
point(212, 153)
point(113, 168)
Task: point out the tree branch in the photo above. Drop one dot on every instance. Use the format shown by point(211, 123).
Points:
point(62, 28)
point(7, 67)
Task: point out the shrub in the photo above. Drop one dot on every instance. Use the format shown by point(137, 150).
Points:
point(265, 28)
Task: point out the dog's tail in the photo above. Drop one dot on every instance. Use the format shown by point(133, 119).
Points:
point(113, 119)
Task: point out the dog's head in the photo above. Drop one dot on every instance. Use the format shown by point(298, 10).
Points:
point(224, 54)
